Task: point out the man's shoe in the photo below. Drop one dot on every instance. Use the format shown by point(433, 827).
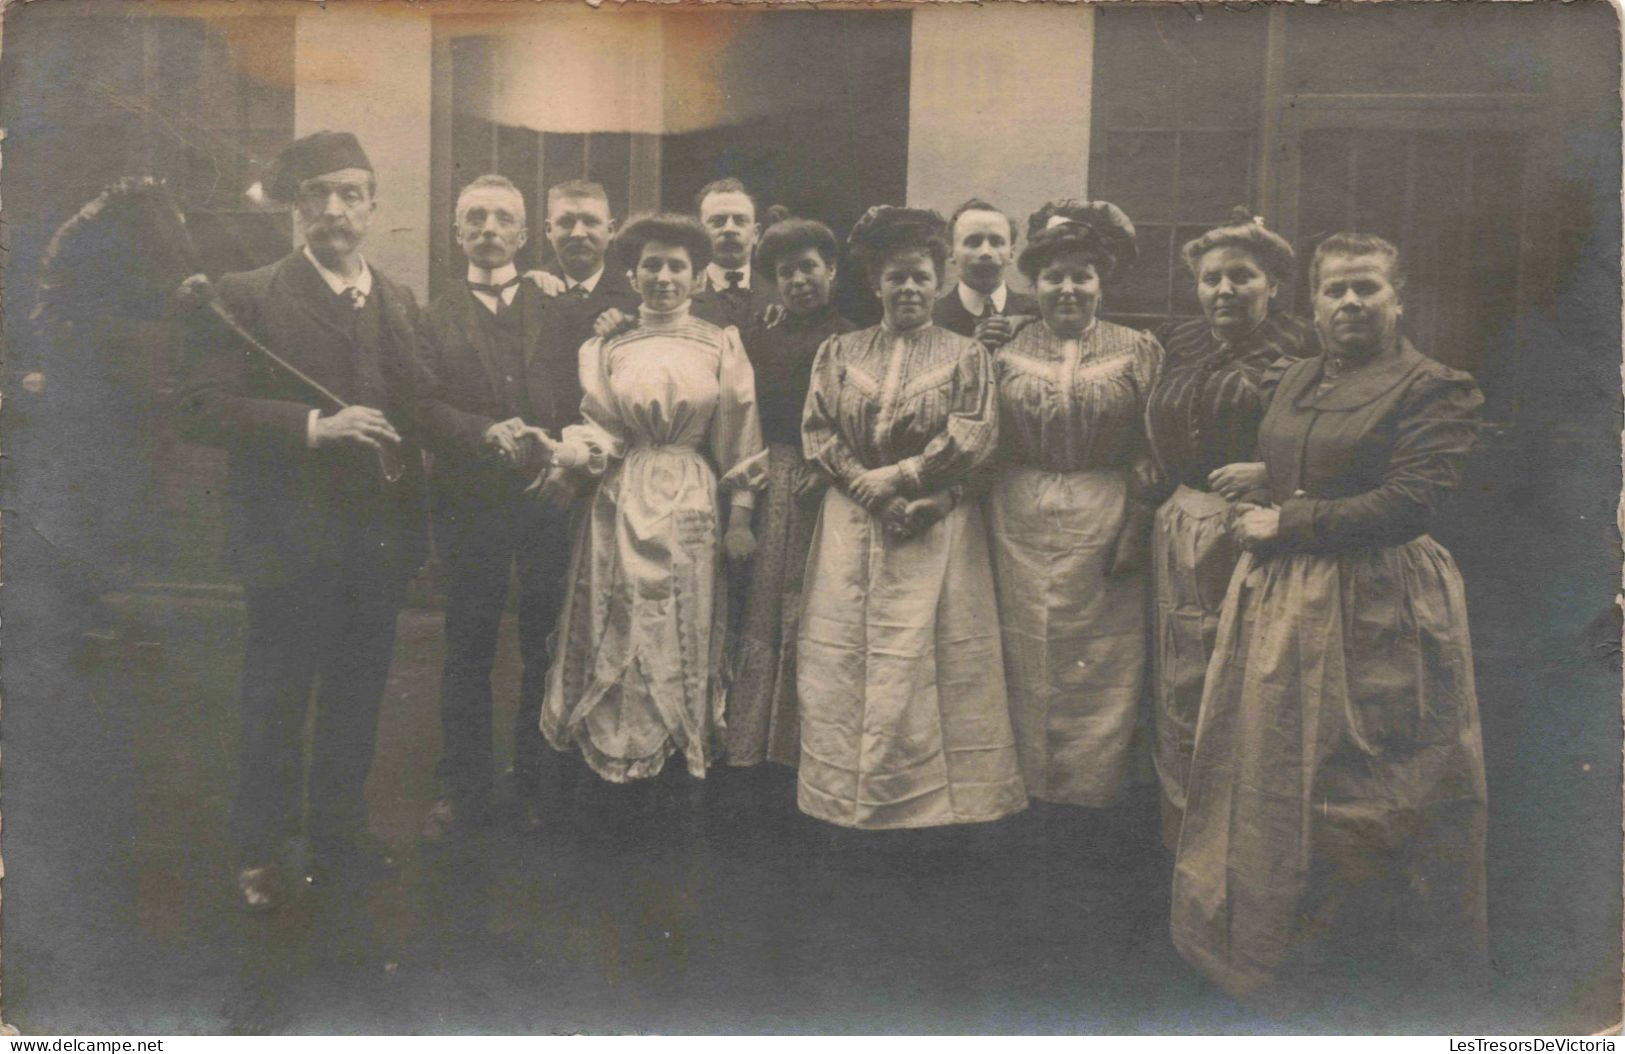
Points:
point(261, 888)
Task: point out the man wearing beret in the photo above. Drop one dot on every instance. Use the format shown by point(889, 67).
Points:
point(322, 541)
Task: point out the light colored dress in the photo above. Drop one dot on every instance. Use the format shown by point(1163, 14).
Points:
point(638, 675)
point(1070, 414)
point(904, 721)
point(1335, 807)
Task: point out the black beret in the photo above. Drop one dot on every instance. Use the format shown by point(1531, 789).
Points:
point(311, 156)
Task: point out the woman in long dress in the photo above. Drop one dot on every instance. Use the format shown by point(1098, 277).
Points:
point(763, 721)
point(671, 436)
point(904, 721)
point(1335, 809)
point(1217, 374)
point(1067, 524)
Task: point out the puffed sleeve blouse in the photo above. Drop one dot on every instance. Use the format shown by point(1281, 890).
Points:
point(1074, 405)
point(922, 400)
point(1366, 462)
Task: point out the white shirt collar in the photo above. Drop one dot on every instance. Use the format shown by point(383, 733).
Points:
point(589, 283)
point(502, 274)
point(337, 282)
point(718, 276)
point(483, 277)
point(973, 300)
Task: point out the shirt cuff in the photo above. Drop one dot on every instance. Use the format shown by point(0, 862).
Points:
point(743, 499)
point(310, 429)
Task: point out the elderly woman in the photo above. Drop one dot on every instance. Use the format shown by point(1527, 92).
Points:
point(904, 721)
point(1068, 530)
point(763, 723)
point(1334, 816)
point(668, 406)
point(1217, 373)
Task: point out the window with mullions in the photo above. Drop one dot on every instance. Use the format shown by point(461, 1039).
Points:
point(1176, 102)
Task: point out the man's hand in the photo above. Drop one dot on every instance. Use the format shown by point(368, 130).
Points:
point(535, 449)
point(611, 322)
point(503, 437)
point(355, 424)
point(550, 284)
point(996, 330)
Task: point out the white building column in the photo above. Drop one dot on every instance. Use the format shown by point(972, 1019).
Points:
point(367, 70)
point(999, 104)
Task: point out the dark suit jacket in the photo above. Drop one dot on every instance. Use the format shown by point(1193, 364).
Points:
point(471, 372)
point(293, 509)
point(568, 325)
point(721, 309)
point(950, 311)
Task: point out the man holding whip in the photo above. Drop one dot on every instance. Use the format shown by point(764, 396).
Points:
point(313, 375)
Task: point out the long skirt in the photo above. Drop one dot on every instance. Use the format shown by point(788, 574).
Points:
point(763, 721)
point(1335, 809)
point(1192, 557)
point(1074, 636)
point(637, 675)
point(904, 721)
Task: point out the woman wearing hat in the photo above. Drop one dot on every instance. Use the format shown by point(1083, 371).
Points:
point(1067, 524)
point(799, 256)
point(1335, 804)
point(672, 438)
point(1202, 415)
point(904, 721)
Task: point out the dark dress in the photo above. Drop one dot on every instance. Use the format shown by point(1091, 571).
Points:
point(1203, 414)
point(1336, 798)
point(763, 722)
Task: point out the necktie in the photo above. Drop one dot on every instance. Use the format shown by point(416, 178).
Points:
point(495, 290)
point(356, 298)
point(734, 278)
point(987, 309)
point(578, 291)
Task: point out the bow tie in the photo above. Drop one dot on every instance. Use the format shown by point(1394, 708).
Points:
point(494, 289)
point(354, 297)
point(734, 279)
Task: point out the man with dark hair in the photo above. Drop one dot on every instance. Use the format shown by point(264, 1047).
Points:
point(323, 545)
point(488, 337)
point(726, 294)
point(981, 305)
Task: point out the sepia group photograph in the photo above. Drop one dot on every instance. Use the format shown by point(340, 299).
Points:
point(557, 517)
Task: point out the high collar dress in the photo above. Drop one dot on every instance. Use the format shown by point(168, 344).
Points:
point(668, 408)
point(1202, 414)
point(904, 720)
point(1335, 807)
point(1070, 423)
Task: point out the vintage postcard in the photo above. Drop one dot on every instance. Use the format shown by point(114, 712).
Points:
point(549, 517)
